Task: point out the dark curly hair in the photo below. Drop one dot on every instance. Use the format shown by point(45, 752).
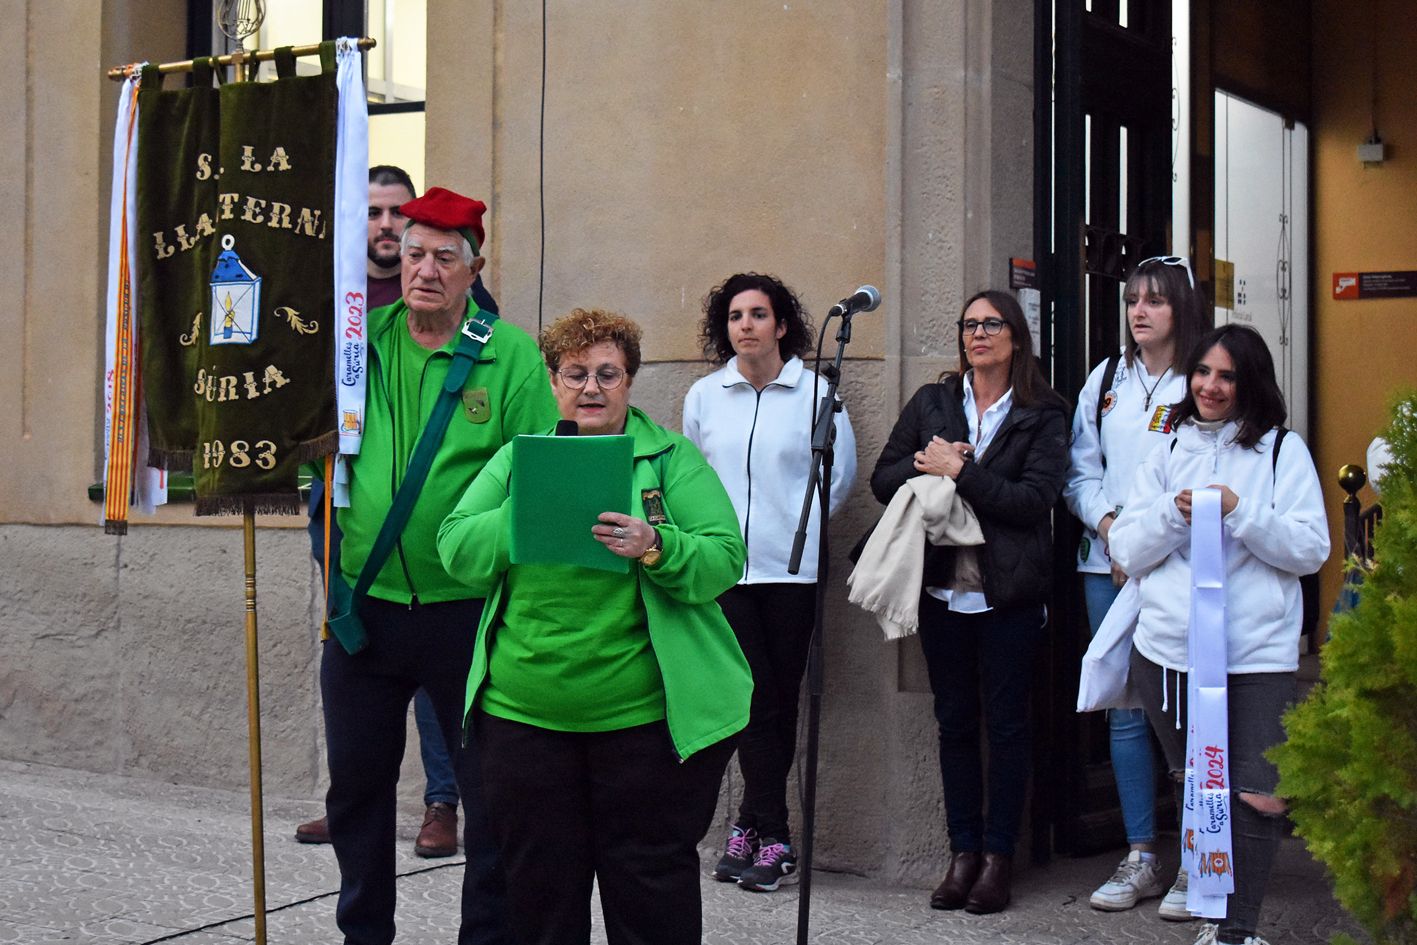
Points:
point(786, 308)
point(580, 328)
point(1259, 403)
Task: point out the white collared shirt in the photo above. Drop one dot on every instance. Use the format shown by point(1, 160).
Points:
point(981, 434)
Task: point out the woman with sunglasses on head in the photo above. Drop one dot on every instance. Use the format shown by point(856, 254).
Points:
point(753, 420)
point(1001, 433)
point(1229, 439)
point(1125, 410)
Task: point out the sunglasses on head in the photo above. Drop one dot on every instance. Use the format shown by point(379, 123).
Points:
point(1181, 261)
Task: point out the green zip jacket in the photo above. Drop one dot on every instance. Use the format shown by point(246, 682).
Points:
point(707, 683)
point(507, 393)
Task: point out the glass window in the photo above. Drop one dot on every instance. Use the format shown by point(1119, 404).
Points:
point(395, 71)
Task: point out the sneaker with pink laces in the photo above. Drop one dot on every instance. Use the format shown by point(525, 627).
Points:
point(738, 854)
point(776, 861)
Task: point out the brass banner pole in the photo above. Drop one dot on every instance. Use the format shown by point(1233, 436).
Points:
point(253, 725)
point(119, 73)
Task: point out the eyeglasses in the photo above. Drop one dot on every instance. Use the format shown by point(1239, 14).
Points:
point(991, 326)
point(607, 378)
point(1181, 261)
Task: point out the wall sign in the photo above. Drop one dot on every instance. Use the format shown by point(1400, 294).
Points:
point(1375, 285)
point(1023, 273)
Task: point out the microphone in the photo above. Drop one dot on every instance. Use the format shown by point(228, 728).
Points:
point(567, 428)
point(864, 299)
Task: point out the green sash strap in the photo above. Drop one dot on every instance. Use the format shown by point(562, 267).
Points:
point(344, 620)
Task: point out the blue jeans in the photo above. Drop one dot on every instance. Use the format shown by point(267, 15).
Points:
point(441, 782)
point(967, 654)
point(442, 786)
point(1133, 757)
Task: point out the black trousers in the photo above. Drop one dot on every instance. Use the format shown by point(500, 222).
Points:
point(570, 808)
point(366, 699)
point(773, 624)
point(969, 655)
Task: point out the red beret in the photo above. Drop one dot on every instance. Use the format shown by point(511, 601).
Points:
point(444, 210)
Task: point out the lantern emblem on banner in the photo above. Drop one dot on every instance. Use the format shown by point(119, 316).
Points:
point(236, 298)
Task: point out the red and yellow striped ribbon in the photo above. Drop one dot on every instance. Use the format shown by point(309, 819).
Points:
point(123, 430)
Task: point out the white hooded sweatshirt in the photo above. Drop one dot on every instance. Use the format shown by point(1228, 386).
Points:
point(1277, 532)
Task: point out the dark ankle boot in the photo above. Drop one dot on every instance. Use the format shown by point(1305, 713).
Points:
point(954, 888)
point(991, 890)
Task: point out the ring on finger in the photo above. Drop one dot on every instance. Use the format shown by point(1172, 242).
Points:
point(619, 532)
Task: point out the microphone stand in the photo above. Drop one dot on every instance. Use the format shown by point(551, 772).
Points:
point(818, 487)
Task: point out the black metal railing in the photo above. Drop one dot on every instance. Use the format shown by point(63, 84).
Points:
point(1359, 523)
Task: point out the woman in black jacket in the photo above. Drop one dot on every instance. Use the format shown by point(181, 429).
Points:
point(1001, 433)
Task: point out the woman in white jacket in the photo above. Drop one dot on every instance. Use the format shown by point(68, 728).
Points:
point(1124, 412)
point(1275, 530)
point(752, 418)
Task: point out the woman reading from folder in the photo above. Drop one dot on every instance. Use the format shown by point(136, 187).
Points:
point(605, 704)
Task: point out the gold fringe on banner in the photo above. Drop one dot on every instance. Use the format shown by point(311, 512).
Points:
point(170, 460)
point(316, 449)
point(277, 504)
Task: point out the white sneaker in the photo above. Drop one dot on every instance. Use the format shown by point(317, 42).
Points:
point(1135, 879)
point(1208, 934)
point(1173, 906)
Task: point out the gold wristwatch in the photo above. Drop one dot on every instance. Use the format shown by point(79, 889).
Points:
point(654, 552)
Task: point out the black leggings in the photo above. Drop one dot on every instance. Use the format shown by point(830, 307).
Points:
point(773, 623)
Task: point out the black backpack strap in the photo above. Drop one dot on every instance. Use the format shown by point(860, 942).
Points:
point(1108, 376)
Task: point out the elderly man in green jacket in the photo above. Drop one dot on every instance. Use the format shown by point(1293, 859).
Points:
point(418, 620)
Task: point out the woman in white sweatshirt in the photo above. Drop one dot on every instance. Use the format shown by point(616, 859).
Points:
point(753, 420)
point(1229, 438)
point(1123, 413)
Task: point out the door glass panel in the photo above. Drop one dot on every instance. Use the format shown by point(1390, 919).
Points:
point(395, 69)
point(1261, 227)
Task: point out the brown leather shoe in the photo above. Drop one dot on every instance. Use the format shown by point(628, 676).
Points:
point(314, 831)
point(959, 878)
point(991, 889)
point(439, 836)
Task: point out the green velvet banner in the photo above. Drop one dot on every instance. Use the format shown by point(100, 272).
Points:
point(250, 301)
point(177, 197)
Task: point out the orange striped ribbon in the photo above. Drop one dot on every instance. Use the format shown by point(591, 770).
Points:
point(123, 430)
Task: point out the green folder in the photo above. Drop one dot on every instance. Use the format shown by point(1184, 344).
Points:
point(560, 485)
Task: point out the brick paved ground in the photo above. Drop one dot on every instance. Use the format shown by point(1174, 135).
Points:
point(97, 860)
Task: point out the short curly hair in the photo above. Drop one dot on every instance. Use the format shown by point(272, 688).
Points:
point(786, 308)
point(580, 328)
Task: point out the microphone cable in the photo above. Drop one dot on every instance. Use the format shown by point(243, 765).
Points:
point(183, 933)
point(541, 181)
